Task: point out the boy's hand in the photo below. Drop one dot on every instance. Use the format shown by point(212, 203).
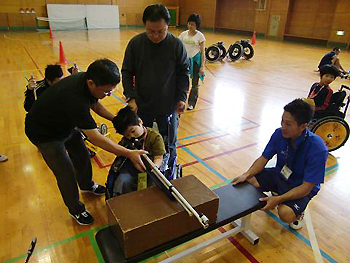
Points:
point(75, 69)
point(135, 157)
point(31, 83)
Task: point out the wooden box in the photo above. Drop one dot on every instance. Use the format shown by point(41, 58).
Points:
point(145, 219)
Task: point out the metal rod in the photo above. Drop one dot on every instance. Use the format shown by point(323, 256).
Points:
point(182, 201)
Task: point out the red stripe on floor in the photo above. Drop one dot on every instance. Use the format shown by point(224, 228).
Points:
point(245, 252)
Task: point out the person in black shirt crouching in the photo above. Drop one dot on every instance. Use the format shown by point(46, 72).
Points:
point(52, 125)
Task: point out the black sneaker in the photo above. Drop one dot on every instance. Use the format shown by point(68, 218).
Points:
point(95, 189)
point(83, 218)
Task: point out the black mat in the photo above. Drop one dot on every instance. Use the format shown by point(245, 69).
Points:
point(234, 203)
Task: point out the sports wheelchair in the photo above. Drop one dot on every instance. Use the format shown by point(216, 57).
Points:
point(218, 51)
point(330, 124)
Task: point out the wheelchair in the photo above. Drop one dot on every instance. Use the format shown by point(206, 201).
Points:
point(330, 124)
point(218, 51)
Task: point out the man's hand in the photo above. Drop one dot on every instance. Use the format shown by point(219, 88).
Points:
point(180, 107)
point(135, 157)
point(240, 179)
point(132, 105)
point(271, 202)
point(31, 83)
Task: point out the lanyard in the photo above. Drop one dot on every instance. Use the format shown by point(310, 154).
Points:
point(296, 152)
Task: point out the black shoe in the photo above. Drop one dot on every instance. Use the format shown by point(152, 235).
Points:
point(83, 218)
point(95, 189)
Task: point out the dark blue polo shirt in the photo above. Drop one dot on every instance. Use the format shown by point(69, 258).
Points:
point(307, 160)
point(327, 59)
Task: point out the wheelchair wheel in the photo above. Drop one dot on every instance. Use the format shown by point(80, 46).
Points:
point(334, 131)
point(248, 51)
point(235, 51)
point(212, 53)
point(222, 50)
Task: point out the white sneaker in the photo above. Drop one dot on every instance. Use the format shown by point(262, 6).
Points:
point(3, 158)
point(296, 225)
point(190, 107)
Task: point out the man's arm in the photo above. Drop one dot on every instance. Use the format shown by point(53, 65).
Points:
point(296, 193)
point(102, 111)
point(103, 142)
point(258, 165)
point(128, 72)
point(182, 69)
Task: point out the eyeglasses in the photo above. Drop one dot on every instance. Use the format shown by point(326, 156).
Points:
point(156, 33)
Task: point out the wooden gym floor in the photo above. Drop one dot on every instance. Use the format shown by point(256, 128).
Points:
point(240, 106)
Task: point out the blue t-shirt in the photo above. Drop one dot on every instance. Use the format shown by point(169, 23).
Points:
point(307, 161)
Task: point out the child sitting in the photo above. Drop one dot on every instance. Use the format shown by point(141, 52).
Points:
point(123, 176)
point(320, 92)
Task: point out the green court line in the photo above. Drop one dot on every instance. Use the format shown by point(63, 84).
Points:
point(55, 244)
point(89, 233)
point(95, 247)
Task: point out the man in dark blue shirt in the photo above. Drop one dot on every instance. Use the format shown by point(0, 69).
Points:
point(332, 58)
point(300, 168)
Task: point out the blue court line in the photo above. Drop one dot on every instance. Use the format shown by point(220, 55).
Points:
point(199, 134)
point(212, 131)
point(202, 162)
point(122, 101)
point(300, 236)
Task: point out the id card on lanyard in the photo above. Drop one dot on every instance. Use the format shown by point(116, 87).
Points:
point(286, 171)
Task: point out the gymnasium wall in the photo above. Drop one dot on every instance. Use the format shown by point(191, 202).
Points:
point(206, 8)
point(341, 21)
point(311, 19)
point(235, 14)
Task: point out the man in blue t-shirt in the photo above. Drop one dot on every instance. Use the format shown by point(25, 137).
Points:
point(332, 58)
point(300, 168)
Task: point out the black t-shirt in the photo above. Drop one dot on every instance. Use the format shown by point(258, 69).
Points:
point(60, 109)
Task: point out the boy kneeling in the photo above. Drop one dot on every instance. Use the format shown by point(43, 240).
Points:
point(123, 177)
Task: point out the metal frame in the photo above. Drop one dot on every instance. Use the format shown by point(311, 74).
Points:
point(241, 226)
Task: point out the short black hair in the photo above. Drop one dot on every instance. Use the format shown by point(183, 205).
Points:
point(155, 13)
point(329, 69)
point(337, 49)
point(195, 18)
point(125, 118)
point(103, 72)
point(301, 111)
point(53, 72)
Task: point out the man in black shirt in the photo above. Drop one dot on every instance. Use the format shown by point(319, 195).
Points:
point(52, 123)
point(155, 75)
